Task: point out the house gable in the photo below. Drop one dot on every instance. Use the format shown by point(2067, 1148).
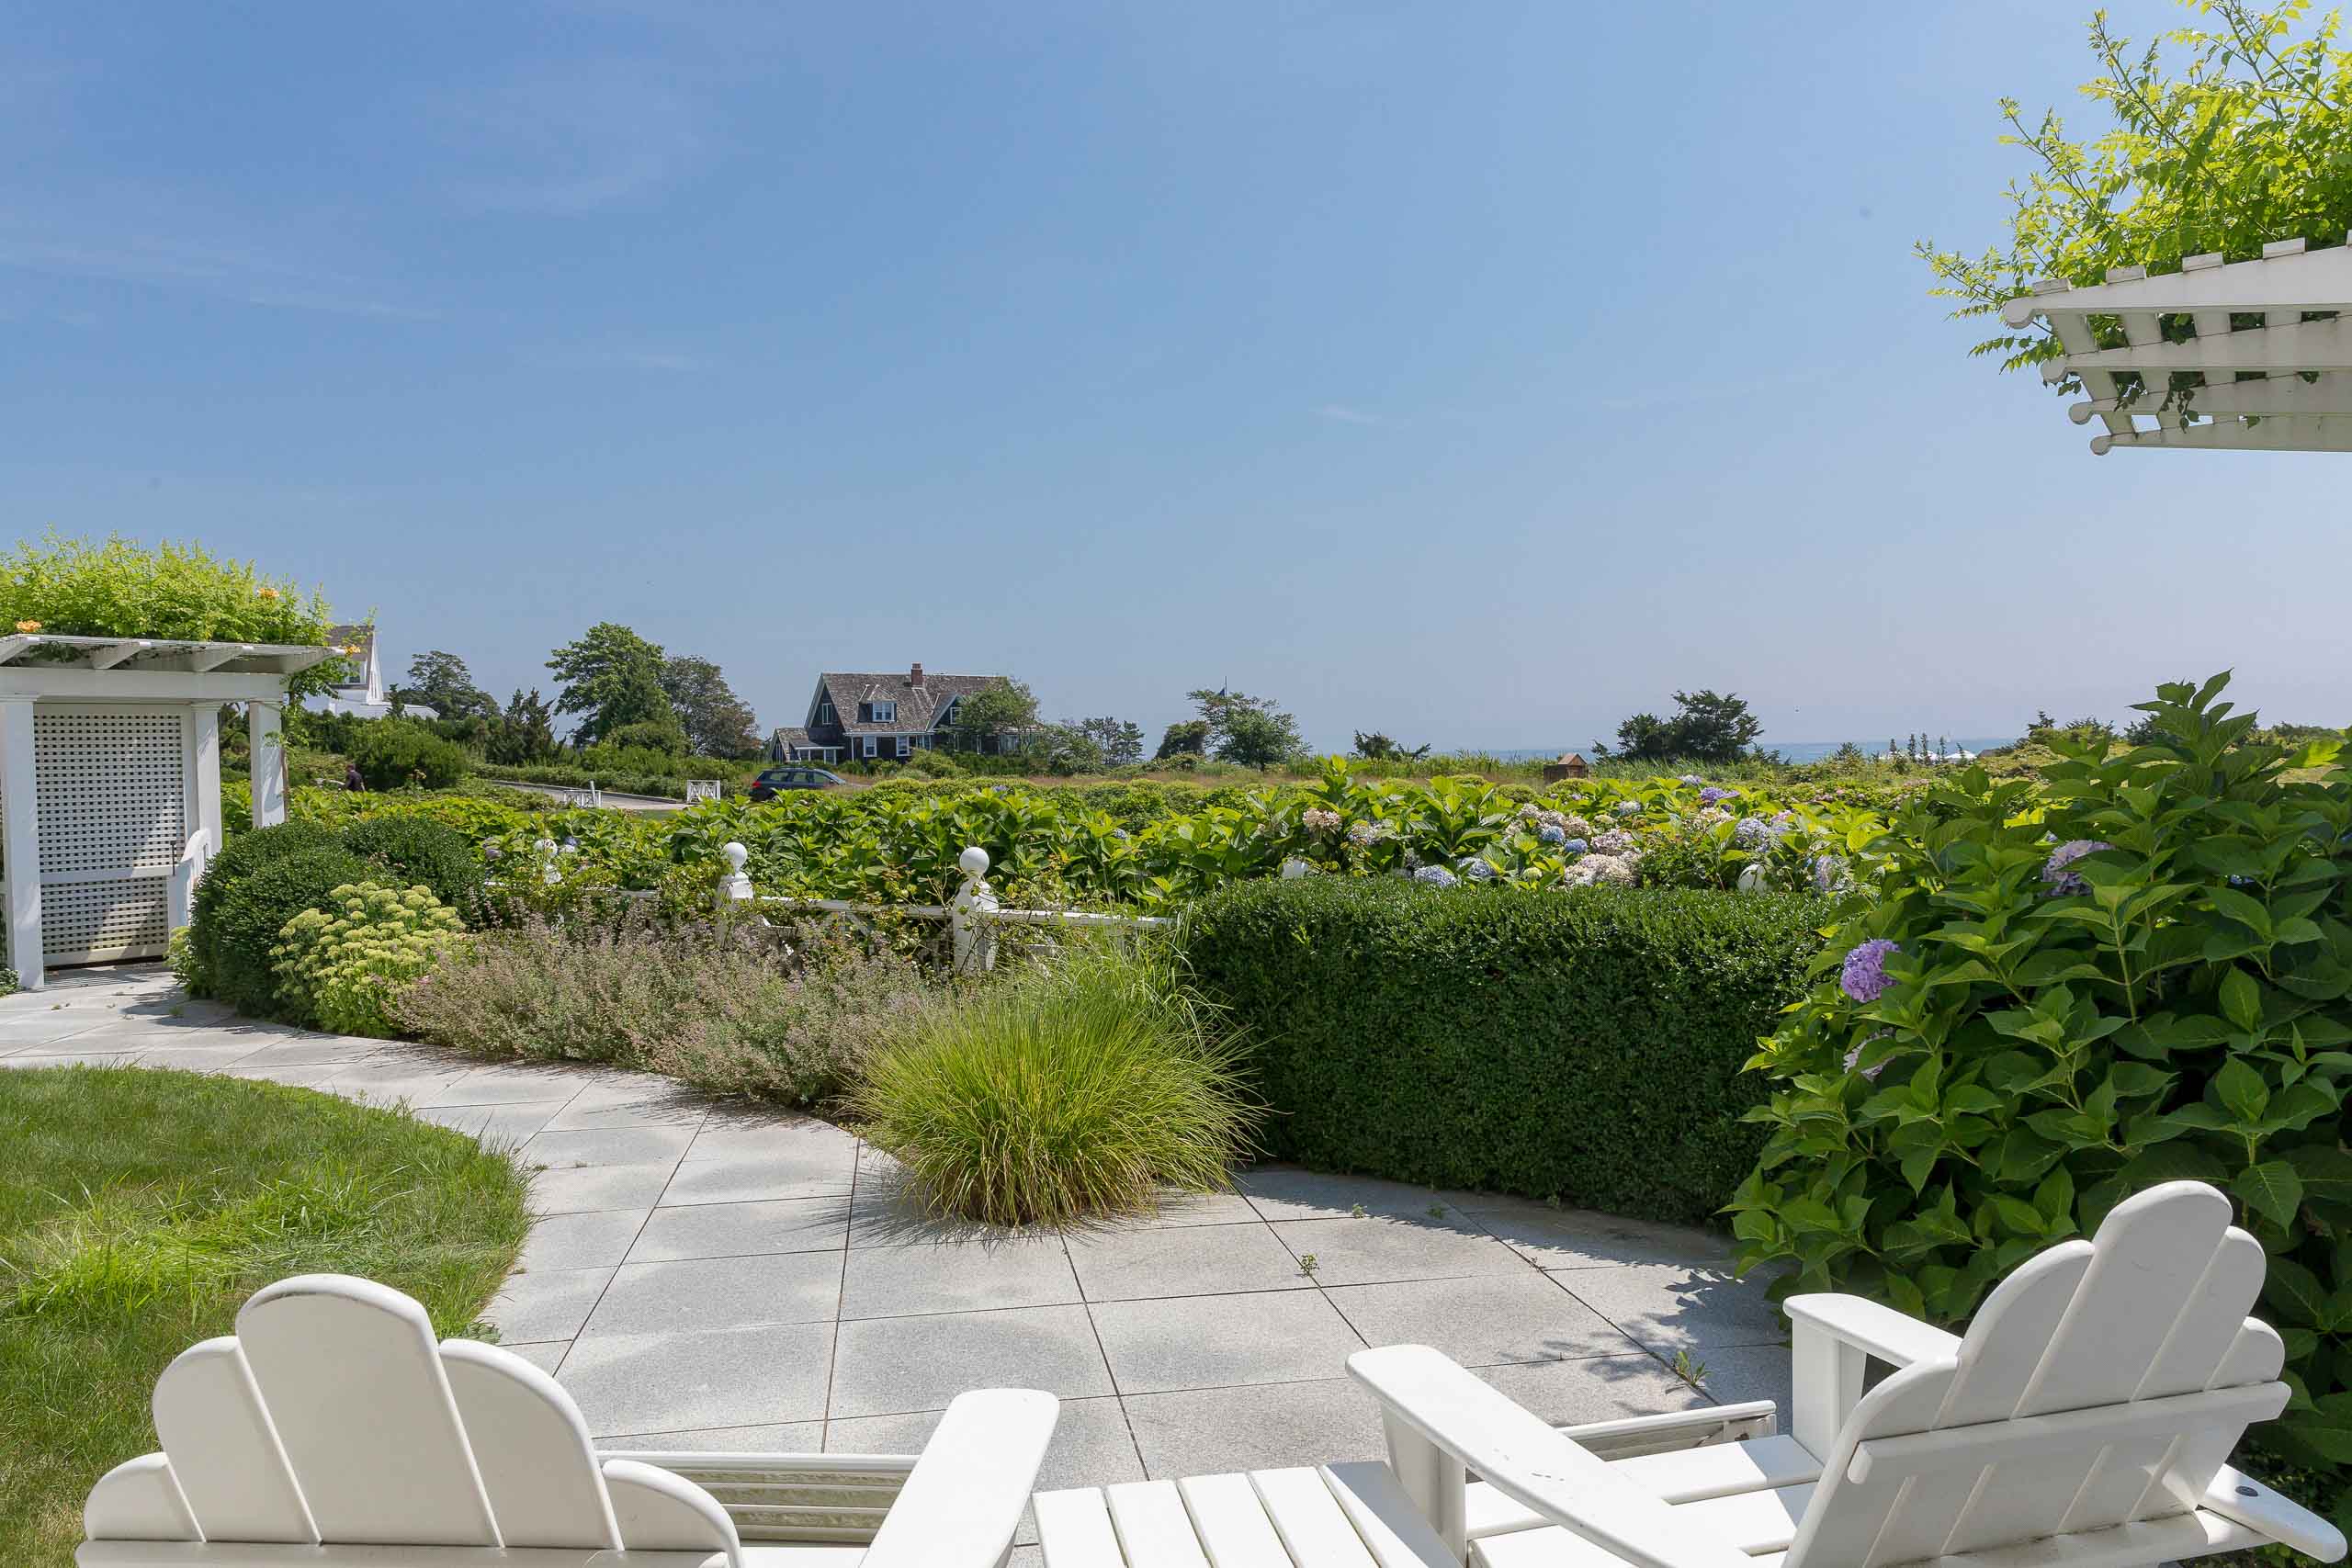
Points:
point(849, 707)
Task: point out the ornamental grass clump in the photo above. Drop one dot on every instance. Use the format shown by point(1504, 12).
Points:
point(2139, 973)
point(1082, 1088)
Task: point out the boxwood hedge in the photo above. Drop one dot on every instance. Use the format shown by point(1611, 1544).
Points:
point(1582, 1045)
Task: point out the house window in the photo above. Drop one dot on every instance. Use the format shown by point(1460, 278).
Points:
point(824, 713)
point(885, 713)
point(903, 748)
point(866, 746)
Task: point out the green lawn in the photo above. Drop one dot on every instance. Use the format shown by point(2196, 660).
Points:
point(139, 1209)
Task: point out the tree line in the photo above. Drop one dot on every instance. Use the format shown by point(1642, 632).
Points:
point(618, 688)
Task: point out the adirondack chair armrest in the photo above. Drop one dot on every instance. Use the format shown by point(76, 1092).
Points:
point(1869, 1327)
point(1832, 1339)
point(2241, 1499)
point(963, 1500)
point(1444, 1423)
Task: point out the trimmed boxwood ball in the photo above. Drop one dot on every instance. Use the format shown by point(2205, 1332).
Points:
point(417, 850)
point(244, 924)
point(1582, 1045)
point(244, 854)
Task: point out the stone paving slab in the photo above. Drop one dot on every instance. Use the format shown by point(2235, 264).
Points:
point(705, 1276)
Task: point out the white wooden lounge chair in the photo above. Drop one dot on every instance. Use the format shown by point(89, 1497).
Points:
point(331, 1430)
point(2082, 1421)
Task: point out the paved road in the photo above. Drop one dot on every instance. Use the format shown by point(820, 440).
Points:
point(607, 799)
point(705, 1275)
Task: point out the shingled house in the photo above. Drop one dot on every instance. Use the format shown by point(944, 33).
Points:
point(861, 719)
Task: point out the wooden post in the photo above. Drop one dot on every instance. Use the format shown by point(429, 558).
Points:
point(204, 841)
point(268, 764)
point(20, 838)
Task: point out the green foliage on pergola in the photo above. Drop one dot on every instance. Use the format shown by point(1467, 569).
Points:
point(2226, 135)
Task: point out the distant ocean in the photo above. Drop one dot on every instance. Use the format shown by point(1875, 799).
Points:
point(1797, 750)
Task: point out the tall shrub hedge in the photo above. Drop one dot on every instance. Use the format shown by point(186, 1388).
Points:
point(1585, 1045)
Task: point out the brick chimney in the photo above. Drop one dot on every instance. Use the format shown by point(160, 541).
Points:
point(914, 677)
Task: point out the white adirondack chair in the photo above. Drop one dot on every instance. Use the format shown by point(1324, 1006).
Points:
point(331, 1430)
point(2082, 1421)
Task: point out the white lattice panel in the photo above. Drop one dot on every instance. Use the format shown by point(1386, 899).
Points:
point(111, 782)
point(87, 922)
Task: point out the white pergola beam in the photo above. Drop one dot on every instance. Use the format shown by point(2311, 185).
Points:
point(2282, 432)
point(172, 654)
point(107, 658)
point(2307, 345)
point(2288, 278)
point(211, 658)
point(2331, 392)
point(2298, 393)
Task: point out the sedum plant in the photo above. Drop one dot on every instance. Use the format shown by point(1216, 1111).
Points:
point(2140, 974)
point(341, 964)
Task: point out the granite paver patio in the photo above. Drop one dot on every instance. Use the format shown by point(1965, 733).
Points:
point(709, 1275)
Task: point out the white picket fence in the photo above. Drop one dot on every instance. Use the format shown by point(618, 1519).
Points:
point(973, 924)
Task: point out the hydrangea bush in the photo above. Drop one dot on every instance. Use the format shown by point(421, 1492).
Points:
point(1056, 846)
point(342, 965)
point(2141, 973)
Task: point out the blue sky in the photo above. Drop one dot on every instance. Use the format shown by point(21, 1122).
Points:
point(1474, 374)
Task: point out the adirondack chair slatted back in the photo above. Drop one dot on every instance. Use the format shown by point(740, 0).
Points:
point(333, 1418)
point(2103, 1382)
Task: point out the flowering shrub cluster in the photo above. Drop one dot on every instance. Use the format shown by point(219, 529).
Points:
point(1056, 847)
point(114, 587)
point(343, 964)
point(2139, 973)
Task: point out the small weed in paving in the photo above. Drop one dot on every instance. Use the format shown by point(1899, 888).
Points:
point(1058, 1092)
point(139, 1209)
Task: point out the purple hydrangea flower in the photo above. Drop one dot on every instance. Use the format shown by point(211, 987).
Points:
point(1436, 876)
point(1713, 792)
point(1551, 833)
point(1753, 833)
point(1628, 808)
point(2063, 881)
point(1864, 976)
point(1574, 846)
point(1691, 779)
point(1474, 868)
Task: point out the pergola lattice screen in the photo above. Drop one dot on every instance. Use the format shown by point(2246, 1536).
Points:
point(112, 796)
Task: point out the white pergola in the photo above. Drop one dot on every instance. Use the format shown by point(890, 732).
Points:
point(2273, 380)
point(111, 784)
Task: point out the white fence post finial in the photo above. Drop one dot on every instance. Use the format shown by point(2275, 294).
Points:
point(974, 939)
point(735, 886)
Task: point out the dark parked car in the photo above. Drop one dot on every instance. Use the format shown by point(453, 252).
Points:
point(775, 781)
